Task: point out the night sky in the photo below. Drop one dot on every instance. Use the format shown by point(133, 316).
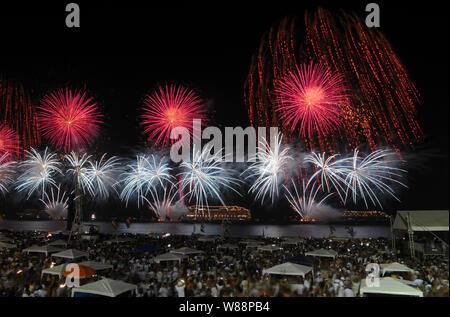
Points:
point(124, 49)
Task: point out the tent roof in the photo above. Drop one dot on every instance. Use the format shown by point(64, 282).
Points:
point(186, 251)
point(70, 254)
point(56, 270)
point(394, 267)
point(251, 241)
point(168, 257)
point(105, 287)
point(42, 249)
point(422, 220)
point(96, 266)
point(5, 239)
point(208, 238)
point(322, 253)
point(288, 268)
point(390, 286)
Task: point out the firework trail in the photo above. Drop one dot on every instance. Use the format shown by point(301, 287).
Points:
point(366, 177)
point(309, 97)
point(39, 172)
point(161, 202)
point(6, 172)
point(102, 176)
point(205, 178)
point(9, 142)
point(143, 176)
point(269, 169)
point(380, 108)
point(56, 206)
point(17, 111)
point(79, 170)
point(330, 172)
point(169, 107)
point(305, 205)
point(70, 120)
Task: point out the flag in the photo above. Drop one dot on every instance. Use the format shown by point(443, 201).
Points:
point(128, 222)
point(114, 224)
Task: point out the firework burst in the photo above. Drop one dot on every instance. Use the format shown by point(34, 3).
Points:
point(143, 176)
point(329, 171)
point(309, 98)
point(79, 170)
point(56, 206)
point(161, 201)
point(269, 169)
point(169, 107)
point(367, 177)
point(9, 142)
point(6, 172)
point(205, 178)
point(305, 205)
point(69, 119)
point(39, 172)
point(102, 176)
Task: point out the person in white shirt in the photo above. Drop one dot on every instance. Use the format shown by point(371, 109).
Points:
point(179, 287)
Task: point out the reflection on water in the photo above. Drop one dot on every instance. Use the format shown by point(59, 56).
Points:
point(303, 230)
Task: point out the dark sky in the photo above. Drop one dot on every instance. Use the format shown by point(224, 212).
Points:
point(123, 49)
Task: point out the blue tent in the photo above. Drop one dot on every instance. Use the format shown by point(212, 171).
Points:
point(146, 248)
point(300, 259)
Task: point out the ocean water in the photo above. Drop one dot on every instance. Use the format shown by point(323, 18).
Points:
point(237, 230)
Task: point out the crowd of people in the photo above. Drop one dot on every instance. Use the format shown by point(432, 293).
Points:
point(217, 272)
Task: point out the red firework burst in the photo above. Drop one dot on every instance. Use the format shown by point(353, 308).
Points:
point(309, 97)
point(169, 107)
point(9, 142)
point(69, 119)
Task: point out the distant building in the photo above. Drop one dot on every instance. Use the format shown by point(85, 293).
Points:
point(217, 213)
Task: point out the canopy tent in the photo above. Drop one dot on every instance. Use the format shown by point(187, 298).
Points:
point(165, 257)
point(105, 287)
point(288, 268)
point(252, 245)
point(55, 270)
point(70, 254)
point(58, 242)
point(322, 253)
point(394, 267)
point(186, 251)
point(118, 240)
point(5, 239)
point(228, 246)
point(146, 248)
point(422, 220)
point(96, 266)
point(390, 286)
point(269, 248)
point(4, 245)
point(300, 259)
point(42, 249)
point(292, 241)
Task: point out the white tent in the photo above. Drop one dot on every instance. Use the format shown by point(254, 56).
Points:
point(292, 241)
point(269, 248)
point(186, 251)
point(394, 267)
point(5, 239)
point(58, 243)
point(288, 268)
point(70, 254)
point(42, 249)
point(4, 245)
point(227, 246)
point(252, 245)
point(322, 253)
point(250, 241)
point(390, 286)
point(168, 257)
point(105, 287)
point(55, 270)
point(118, 240)
point(422, 220)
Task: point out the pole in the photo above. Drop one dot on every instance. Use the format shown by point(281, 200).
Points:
point(411, 236)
